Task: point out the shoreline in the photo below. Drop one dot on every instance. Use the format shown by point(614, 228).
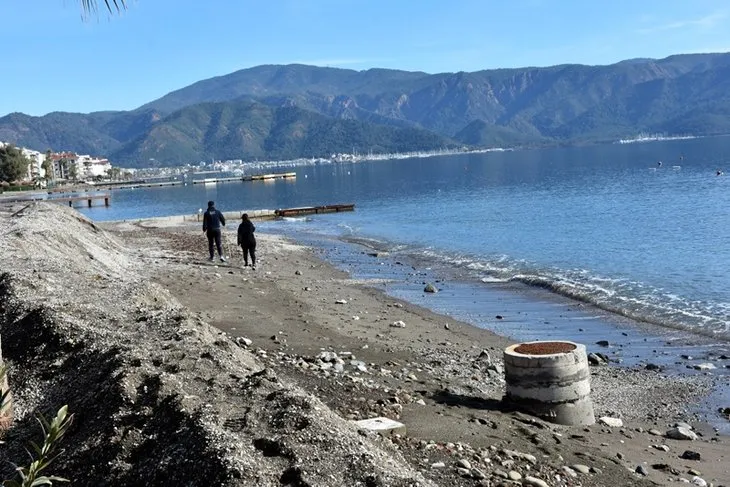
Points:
point(276, 364)
point(529, 313)
point(636, 387)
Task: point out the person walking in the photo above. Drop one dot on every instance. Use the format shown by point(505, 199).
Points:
point(212, 222)
point(247, 241)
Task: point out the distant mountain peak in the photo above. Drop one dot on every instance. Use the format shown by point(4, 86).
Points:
point(295, 110)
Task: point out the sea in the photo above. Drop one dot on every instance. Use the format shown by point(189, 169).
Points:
point(628, 243)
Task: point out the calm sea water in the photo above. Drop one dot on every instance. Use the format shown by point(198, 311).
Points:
point(603, 224)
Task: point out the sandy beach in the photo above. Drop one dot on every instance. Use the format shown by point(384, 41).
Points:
point(200, 373)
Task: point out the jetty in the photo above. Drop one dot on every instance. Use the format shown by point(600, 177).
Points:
point(308, 210)
point(146, 183)
point(234, 216)
point(256, 177)
point(88, 198)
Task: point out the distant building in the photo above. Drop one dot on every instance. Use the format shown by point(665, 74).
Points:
point(60, 170)
point(35, 168)
point(87, 167)
point(90, 167)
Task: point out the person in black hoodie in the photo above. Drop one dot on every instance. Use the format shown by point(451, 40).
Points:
point(212, 221)
point(247, 241)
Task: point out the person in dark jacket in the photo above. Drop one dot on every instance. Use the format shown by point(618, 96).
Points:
point(212, 222)
point(247, 241)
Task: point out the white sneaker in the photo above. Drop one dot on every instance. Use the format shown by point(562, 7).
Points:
point(223, 259)
point(253, 267)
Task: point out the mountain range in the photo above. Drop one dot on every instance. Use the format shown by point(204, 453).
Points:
point(288, 111)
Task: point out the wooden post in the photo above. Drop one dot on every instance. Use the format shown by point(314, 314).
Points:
point(106, 201)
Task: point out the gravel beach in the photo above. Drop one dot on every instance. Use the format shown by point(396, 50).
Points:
point(185, 372)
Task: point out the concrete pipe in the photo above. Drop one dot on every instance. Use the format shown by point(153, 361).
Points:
point(550, 380)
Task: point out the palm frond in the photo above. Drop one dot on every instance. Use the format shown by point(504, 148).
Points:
point(91, 6)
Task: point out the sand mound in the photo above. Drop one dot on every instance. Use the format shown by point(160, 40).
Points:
point(159, 397)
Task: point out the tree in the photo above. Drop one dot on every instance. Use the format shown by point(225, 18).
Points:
point(63, 168)
point(73, 171)
point(13, 164)
point(113, 173)
point(47, 166)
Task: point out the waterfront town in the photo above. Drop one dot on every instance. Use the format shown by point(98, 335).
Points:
point(43, 167)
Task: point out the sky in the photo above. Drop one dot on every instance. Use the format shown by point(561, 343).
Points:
point(56, 59)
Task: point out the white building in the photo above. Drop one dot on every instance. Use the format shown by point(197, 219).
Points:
point(89, 167)
point(86, 166)
point(35, 168)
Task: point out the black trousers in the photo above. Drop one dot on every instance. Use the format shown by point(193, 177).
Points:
point(214, 236)
point(249, 248)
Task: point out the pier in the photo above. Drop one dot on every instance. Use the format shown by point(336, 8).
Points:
point(308, 210)
point(257, 177)
point(234, 216)
point(180, 182)
point(89, 198)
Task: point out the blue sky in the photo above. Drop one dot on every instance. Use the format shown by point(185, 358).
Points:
point(56, 61)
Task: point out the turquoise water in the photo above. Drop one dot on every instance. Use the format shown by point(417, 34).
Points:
point(605, 225)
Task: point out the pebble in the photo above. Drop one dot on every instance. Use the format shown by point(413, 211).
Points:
point(501, 473)
point(398, 324)
point(438, 465)
point(612, 422)
point(534, 482)
point(514, 475)
point(463, 463)
point(463, 472)
point(690, 455)
point(595, 359)
point(584, 469)
point(663, 448)
point(699, 481)
point(569, 472)
point(655, 432)
point(341, 301)
point(327, 356)
point(681, 433)
point(477, 474)
point(641, 470)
